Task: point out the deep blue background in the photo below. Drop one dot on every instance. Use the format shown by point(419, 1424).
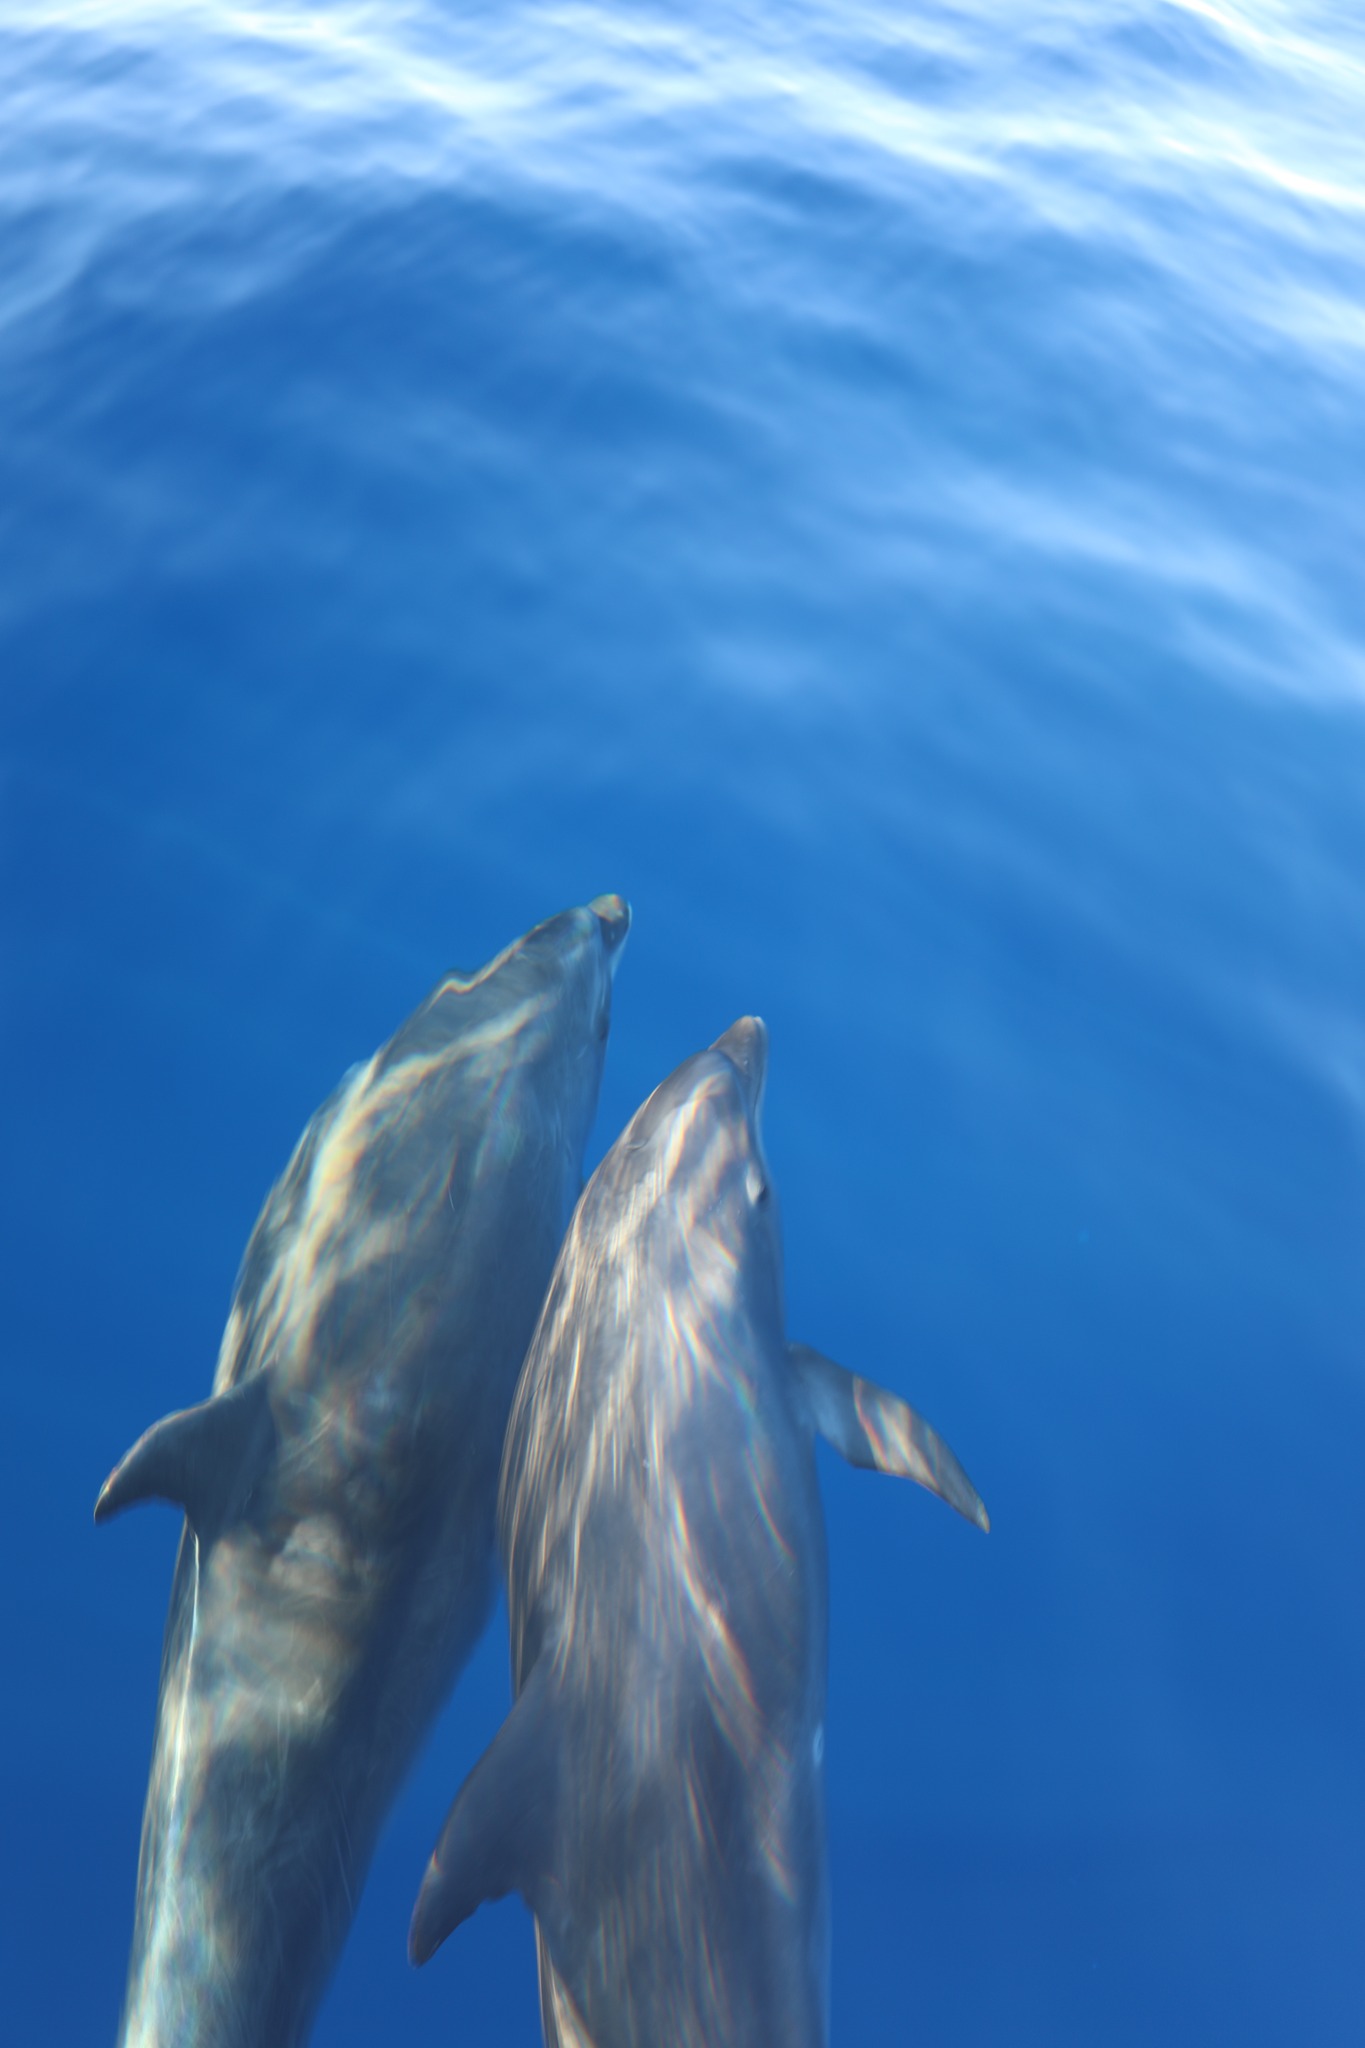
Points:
point(881, 486)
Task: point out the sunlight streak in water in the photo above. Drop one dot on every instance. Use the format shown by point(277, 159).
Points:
point(559, 94)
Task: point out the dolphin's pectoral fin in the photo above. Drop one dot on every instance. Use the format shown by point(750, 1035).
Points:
point(497, 1834)
point(202, 1459)
point(869, 1426)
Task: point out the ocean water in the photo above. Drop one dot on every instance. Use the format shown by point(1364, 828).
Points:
point(882, 487)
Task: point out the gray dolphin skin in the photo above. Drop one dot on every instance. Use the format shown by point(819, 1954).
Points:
point(656, 1793)
point(339, 1556)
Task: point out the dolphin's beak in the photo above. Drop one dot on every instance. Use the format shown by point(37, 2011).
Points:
point(613, 914)
point(745, 1045)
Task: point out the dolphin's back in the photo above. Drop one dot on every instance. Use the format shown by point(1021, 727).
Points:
point(690, 1599)
point(657, 1792)
point(664, 1544)
point(340, 1485)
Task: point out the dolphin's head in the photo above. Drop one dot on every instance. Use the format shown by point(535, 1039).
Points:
point(550, 1001)
point(565, 967)
point(696, 1148)
point(585, 941)
point(523, 1040)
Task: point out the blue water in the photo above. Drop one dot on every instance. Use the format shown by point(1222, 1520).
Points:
point(881, 486)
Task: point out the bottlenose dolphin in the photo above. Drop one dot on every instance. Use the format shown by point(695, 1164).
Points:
point(339, 1556)
point(656, 1793)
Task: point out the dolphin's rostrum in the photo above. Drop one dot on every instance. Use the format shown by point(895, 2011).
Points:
point(656, 1793)
point(340, 1485)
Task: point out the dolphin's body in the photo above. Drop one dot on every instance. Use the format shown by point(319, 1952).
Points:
point(339, 1555)
point(656, 1793)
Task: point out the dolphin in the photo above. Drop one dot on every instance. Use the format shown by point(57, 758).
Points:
point(338, 1560)
point(656, 1792)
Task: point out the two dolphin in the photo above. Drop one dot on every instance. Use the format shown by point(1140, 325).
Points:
point(656, 1793)
point(339, 1487)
